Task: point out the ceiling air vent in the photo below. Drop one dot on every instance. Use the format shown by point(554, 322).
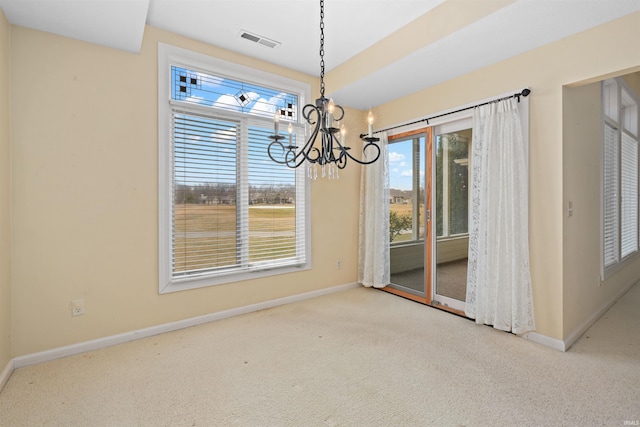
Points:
point(259, 39)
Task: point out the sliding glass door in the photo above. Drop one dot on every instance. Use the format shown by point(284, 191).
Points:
point(429, 176)
point(452, 179)
point(407, 215)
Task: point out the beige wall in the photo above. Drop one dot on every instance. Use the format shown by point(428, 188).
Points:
point(5, 196)
point(85, 197)
point(584, 293)
point(545, 70)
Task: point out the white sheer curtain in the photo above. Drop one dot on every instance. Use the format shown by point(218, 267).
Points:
point(373, 250)
point(498, 280)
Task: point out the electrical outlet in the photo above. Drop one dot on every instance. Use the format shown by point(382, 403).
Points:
point(338, 264)
point(77, 307)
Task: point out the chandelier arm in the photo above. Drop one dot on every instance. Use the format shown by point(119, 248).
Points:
point(317, 157)
point(314, 132)
point(307, 110)
point(370, 143)
point(341, 161)
point(279, 144)
point(306, 153)
point(294, 159)
point(308, 150)
point(364, 149)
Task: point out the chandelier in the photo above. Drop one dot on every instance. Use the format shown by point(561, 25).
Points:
point(330, 152)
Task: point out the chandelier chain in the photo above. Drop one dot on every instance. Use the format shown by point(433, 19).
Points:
point(322, 48)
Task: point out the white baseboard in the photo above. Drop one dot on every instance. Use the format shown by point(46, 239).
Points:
point(56, 353)
point(580, 330)
point(82, 347)
point(554, 343)
point(563, 345)
point(6, 373)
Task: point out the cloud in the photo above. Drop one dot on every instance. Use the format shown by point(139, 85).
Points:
point(196, 100)
point(406, 172)
point(228, 102)
point(266, 107)
point(395, 157)
point(263, 107)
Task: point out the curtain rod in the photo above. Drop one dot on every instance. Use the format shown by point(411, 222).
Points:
point(525, 92)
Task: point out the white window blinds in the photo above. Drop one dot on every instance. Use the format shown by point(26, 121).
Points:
point(629, 194)
point(620, 174)
point(205, 193)
point(234, 210)
point(276, 205)
point(610, 196)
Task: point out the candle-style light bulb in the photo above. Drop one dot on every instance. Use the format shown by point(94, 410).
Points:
point(343, 133)
point(276, 122)
point(370, 120)
point(330, 108)
point(290, 130)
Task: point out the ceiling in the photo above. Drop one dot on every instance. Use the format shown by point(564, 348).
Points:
point(351, 27)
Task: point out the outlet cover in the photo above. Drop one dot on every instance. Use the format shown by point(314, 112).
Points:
point(77, 307)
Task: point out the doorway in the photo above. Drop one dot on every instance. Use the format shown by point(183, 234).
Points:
point(429, 171)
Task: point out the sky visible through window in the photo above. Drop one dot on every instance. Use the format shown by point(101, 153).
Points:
point(400, 166)
point(204, 89)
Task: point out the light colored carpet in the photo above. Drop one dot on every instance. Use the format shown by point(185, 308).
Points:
point(361, 357)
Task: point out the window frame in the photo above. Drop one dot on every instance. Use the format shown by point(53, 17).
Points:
point(614, 117)
point(171, 55)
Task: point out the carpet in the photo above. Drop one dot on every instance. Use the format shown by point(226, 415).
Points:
point(360, 357)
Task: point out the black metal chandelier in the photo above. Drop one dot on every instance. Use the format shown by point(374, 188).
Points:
point(323, 118)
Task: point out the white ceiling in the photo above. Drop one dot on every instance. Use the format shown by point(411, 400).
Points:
point(351, 26)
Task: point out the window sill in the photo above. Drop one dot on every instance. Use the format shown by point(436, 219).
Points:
point(169, 286)
point(619, 266)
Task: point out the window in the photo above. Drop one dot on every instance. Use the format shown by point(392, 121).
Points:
point(227, 212)
point(620, 175)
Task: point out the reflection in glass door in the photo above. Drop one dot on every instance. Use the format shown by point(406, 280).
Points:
point(451, 209)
